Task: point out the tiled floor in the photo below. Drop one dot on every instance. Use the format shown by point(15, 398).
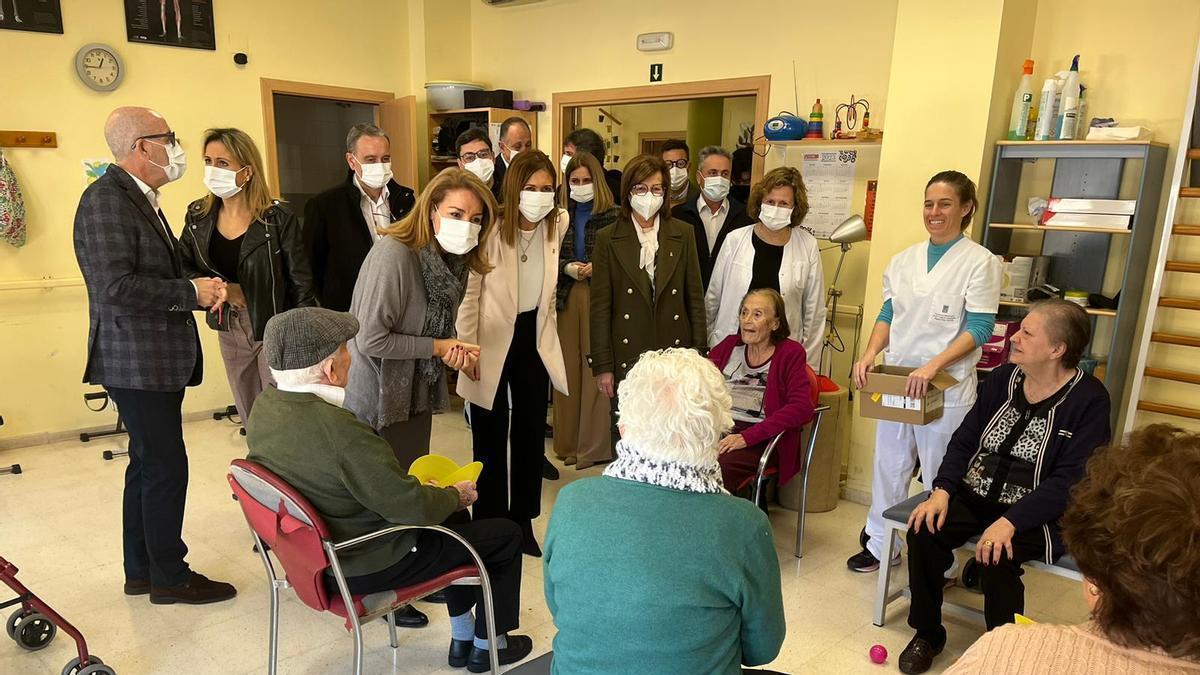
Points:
point(60, 523)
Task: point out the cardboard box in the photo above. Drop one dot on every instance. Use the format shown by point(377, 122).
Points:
point(883, 398)
point(1021, 274)
point(995, 350)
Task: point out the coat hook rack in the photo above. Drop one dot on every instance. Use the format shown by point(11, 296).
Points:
point(28, 139)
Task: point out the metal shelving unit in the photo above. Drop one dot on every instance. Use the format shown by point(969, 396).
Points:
point(1091, 170)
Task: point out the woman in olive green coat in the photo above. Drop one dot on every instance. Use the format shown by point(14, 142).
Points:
point(646, 288)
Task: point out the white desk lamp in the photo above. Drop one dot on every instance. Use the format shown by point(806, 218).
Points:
point(851, 231)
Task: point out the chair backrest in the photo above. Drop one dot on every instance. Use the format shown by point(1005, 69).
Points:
point(288, 523)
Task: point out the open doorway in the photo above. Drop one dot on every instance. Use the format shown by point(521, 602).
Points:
point(310, 139)
point(305, 126)
point(634, 120)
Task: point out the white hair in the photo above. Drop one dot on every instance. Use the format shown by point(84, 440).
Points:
point(314, 374)
point(674, 405)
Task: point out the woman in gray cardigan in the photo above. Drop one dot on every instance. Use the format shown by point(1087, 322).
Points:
point(406, 300)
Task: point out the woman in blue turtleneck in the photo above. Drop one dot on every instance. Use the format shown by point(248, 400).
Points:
point(940, 302)
point(581, 418)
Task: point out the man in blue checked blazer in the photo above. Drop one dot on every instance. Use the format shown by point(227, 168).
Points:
point(143, 347)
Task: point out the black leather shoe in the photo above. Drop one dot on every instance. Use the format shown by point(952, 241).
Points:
point(549, 471)
point(459, 651)
point(410, 617)
point(198, 590)
point(137, 586)
point(438, 598)
point(519, 646)
point(917, 657)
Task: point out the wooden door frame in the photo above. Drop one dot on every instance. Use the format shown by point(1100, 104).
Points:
point(644, 136)
point(758, 86)
point(270, 87)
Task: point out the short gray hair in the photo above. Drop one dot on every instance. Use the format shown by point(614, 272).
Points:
point(298, 377)
point(710, 150)
point(675, 406)
point(363, 129)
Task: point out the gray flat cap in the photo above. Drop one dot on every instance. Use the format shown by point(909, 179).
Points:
point(305, 336)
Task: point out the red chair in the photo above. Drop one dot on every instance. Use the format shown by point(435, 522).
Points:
point(282, 519)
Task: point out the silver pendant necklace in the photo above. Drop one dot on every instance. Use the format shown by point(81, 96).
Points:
point(526, 243)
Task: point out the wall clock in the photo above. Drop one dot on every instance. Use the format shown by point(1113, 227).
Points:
point(99, 67)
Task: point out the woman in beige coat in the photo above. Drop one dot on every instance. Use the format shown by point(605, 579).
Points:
point(510, 313)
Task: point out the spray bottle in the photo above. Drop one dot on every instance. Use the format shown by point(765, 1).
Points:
point(1082, 126)
point(1069, 112)
point(1022, 102)
point(1046, 112)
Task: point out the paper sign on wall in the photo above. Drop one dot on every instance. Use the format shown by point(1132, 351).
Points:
point(829, 179)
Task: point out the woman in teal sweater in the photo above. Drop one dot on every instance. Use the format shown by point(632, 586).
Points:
point(678, 576)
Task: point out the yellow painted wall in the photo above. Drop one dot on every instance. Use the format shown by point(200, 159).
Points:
point(916, 148)
point(704, 125)
point(763, 47)
point(1137, 67)
point(737, 110)
point(43, 332)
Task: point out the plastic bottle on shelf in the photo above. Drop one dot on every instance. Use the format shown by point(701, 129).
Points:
point(1081, 127)
point(1022, 102)
point(815, 129)
point(1069, 113)
point(1046, 112)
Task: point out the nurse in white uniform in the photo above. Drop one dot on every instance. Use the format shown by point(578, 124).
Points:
point(940, 302)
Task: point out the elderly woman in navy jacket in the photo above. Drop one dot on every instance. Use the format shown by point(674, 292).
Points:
point(1007, 475)
point(774, 390)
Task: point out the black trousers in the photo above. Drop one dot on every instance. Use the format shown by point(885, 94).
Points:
point(155, 485)
point(930, 555)
point(497, 541)
point(512, 450)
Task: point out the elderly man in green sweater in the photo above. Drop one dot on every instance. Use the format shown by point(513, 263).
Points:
point(300, 431)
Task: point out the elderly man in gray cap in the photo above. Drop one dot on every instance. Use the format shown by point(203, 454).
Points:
point(351, 476)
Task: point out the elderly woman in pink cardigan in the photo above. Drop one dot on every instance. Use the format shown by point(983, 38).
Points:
point(774, 391)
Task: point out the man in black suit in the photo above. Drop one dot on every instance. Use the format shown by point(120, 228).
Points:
point(341, 224)
point(678, 156)
point(143, 347)
point(712, 213)
point(515, 136)
point(474, 151)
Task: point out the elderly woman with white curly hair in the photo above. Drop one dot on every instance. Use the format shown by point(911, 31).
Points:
point(678, 575)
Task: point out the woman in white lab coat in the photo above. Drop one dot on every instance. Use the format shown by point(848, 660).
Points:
point(773, 253)
point(940, 301)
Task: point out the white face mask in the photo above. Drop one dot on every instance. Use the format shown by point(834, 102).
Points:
point(222, 182)
point(774, 217)
point(678, 178)
point(512, 154)
point(375, 175)
point(535, 205)
point(716, 188)
point(583, 193)
point(457, 236)
point(483, 168)
point(562, 163)
point(646, 205)
point(176, 161)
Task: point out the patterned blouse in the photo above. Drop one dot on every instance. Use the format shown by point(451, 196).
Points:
point(1004, 469)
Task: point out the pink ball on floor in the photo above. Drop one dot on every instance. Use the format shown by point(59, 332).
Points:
point(878, 654)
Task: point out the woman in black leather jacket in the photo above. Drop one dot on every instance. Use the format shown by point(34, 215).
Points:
point(239, 233)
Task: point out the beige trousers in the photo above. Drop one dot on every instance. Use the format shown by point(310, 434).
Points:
point(581, 418)
point(245, 363)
